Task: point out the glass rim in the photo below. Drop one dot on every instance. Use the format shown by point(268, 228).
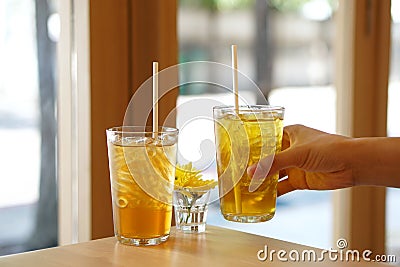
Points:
point(142, 130)
point(251, 108)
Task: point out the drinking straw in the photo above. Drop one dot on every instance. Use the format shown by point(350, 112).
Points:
point(236, 187)
point(155, 98)
point(235, 77)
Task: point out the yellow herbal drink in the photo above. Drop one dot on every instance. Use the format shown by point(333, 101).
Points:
point(142, 172)
point(242, 139)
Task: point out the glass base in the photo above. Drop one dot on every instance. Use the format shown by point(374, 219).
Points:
point(142, 241)
point(191, 219)
point(189, 229)
point(248, 218)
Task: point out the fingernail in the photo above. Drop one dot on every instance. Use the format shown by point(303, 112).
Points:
point(251, 169)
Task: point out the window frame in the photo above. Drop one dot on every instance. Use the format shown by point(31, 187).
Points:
point(74, 117)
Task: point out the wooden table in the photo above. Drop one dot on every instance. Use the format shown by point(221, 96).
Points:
point(216, 247)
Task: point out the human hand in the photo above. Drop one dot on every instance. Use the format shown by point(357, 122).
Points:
point(310, 159)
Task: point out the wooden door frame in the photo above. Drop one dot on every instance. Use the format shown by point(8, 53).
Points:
point(362, 89)
point(105, 52)
point(125, 37)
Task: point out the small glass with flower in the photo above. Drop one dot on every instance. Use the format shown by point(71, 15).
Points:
point(190, 199)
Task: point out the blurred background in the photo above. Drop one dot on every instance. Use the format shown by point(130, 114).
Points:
point(286, 46)
point(288, 49)
point(29, 32)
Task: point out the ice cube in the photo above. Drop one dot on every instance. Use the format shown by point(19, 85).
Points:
point(167, 140)
point(137, 141)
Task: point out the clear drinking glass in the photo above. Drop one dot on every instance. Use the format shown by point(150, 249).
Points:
point(191, 208)
point(142, 172)
point(243, 137)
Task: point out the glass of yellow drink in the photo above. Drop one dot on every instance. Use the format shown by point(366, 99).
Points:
point(142, 173)
point(243, 136)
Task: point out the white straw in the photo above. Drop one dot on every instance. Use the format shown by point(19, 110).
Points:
point(155, 97)
point(236, 184)
point(235, 77)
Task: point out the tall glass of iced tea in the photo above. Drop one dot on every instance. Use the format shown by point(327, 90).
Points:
point(142, 172)
point(243, 136)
